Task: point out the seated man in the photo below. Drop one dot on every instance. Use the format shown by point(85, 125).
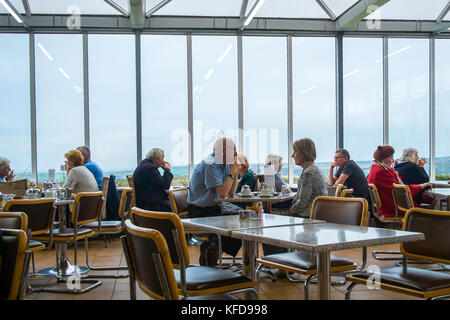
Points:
point(214, 177)
point(92, 166)
point(349, 174)
point(6, 174)
point(150, 186)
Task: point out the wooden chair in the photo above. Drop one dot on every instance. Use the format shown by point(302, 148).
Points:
point(105, 185)
point(18, 187)
point(416, 282)
point(347, 193)
point(150, 265)
point(192, 280)
point(14, 264)
point(351, 211)
point(131, 185)
point(259, 178)
point(339, 189)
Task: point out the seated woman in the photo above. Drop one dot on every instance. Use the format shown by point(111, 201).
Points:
point(79, 178)
point(6, 174)
point(311, 183)
point(382, 175)
point(276, 161)
point(246, 175)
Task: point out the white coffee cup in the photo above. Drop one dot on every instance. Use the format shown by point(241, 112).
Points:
point(265, 192)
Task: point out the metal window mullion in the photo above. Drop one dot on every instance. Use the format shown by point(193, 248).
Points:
point(87, 139)
point(240, 95)
point(339, 91)
point(138, 96)
point(190, 104)
point(385, 91)
point(33, 125)
point(432, 102)
point(290, 109)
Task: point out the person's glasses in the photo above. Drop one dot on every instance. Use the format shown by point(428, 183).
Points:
point(335, 158)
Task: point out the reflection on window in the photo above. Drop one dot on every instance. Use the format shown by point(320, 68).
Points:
point(164, 101)
point(112, 103)
point(214, 72)
point(314, 94)
point(363, 98)
point(408, 95)
point(59, 99)
point(265, 105)
point(15, 103)
point(442, 115)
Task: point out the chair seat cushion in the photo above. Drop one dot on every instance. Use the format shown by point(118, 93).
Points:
point(105, 225)
point(202, 277)
point(67, 233)
point(33, 245)
point(413, 278)
point(223, 296)
point(304, 260)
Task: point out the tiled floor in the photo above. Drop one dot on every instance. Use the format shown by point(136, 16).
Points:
point(118, 289)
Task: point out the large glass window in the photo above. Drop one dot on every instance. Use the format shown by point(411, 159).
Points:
point(265, 101)
point(314, 96)
point(164, 101)
point(59, 99)
point(15, 102)
point(442, 115)
point(214, 73)
point(408, 95)
point(112, 103)
point(363, 98)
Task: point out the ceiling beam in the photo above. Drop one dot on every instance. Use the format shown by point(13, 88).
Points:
point(243, 9)
point(441, 27)
point(14, 13)
point(443, 13)
point(327, 10)
point(124, 12)
point(246, 21)
point(157, 7)
point(26, 6)
point(137, 13)
point(357, 12)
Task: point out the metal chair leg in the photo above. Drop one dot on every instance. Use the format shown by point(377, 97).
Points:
point(349, 290)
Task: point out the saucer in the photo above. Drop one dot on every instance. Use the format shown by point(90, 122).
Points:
point(266, 196)
point(245, 195)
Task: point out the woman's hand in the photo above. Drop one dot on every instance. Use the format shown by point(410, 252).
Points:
point(426, 186)
point(421, 162)
point(10, 176)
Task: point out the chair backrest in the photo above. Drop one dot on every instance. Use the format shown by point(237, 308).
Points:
point(375, 197)
point(87, 207)
point(125, 202)
point(40, 212)
point(339, 189)
point(346, 193)
point(166, 223)
point(131, 184)
point(435, 225)
point(402, 198)
point(14, 220)
point(258, 179)
point(18, 187)
point(178, 200)
point(352, 211)
point(149, 260)
point(105, 185)
point(13, 263)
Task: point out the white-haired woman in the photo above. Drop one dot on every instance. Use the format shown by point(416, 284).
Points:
point(276, 161)
point(150, 186)
point(6, 174)
point(410, 167)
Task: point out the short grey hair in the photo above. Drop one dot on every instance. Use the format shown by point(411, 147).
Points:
point(274, 159)
point(408, 154)
point(4, 162)
point(154, 154)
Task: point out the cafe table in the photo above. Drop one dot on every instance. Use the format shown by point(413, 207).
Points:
point(441, 194)
point(256, 197)
point(318, 238)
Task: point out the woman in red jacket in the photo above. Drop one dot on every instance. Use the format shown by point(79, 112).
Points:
point(382, 175)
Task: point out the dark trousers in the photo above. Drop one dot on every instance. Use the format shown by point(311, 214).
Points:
point(229, 245)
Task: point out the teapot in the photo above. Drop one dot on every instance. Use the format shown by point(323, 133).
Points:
point(33, 193)
point(245, 190)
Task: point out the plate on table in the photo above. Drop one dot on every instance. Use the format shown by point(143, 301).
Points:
point(266, 196)
point(245, 195)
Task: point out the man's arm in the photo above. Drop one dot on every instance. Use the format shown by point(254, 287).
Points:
point(342, 178)
point(331, 178)
point(230, 182)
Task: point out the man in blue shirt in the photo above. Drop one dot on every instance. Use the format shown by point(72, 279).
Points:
point(214, 177)
point(92, 166)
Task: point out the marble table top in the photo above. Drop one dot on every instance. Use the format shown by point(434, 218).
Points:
point(255, 197)
point(224, 225)
point(323, 237)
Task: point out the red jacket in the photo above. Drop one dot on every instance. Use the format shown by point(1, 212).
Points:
point(383, 178)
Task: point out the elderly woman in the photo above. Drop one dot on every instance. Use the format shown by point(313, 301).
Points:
point(246, 175)
point(276, 161)
point(311, 183)
point(79, 178)
point(6, 174)
point(382, 175)
point(410, 167)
